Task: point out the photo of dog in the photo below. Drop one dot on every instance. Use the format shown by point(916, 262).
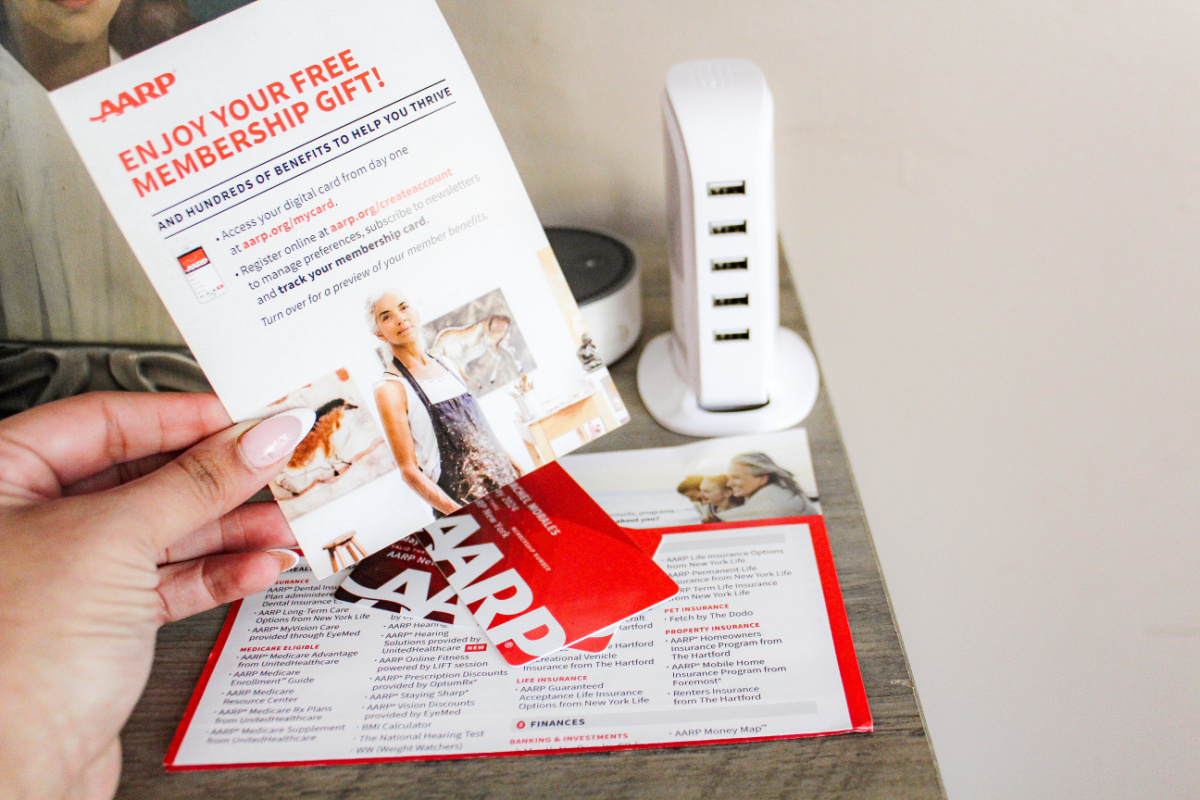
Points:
point(344, 450)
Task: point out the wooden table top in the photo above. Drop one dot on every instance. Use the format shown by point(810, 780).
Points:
point(893, 762)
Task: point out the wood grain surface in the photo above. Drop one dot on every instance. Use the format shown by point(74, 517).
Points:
point(894, 762)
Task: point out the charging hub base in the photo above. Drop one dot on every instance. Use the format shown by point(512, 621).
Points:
point(673, 404)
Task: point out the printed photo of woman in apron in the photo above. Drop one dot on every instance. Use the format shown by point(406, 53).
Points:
point(445, 447)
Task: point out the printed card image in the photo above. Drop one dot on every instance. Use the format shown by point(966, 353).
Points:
point(541, 566)
point(482, 343)
point(343, 451)
point(202, 274)
point(402, 579)
point(730, 479)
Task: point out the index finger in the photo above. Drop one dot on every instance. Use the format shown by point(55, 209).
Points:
point(66, 441)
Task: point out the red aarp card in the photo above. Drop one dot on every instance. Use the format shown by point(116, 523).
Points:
point(402, 579)
point(541, 566)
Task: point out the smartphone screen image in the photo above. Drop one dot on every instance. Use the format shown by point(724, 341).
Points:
point(201, 274)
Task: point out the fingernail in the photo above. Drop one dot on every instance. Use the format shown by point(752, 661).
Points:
point(287, 558)
point(275, 437)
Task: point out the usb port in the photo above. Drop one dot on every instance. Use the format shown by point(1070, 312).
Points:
point(734, 300)
point(733, 226)
point(740, 263)
point(726, 187)
point(729, 336)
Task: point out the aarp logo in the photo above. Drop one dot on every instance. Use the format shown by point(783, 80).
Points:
point(137, 96)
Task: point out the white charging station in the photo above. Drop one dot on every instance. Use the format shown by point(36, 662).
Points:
point(727, 367)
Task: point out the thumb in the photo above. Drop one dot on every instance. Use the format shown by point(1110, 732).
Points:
point(212, 477)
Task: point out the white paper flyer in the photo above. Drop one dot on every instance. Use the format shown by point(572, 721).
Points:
point(756, 646)
point(322, 199)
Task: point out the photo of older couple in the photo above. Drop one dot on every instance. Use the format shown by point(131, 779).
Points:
point(755, 487)
point(711, 481)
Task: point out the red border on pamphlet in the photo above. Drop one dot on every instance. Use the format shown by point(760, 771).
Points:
point(852, 684)
point(839, 625)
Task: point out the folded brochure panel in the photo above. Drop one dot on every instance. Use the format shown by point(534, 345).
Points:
point(333, 221)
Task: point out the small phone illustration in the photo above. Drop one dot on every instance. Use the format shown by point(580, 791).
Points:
point(201, 274)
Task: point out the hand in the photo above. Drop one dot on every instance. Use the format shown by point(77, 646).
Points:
point(106, 533)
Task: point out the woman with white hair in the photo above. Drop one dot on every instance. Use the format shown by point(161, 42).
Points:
point(767, 490)
point(445, 447)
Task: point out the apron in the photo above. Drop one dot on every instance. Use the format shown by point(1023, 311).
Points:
point(474, 463)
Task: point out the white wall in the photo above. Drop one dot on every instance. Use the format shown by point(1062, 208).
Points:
point(1001, 266)
point(993, 211)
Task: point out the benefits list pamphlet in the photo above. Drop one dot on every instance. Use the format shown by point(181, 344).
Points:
point(755, 646)
point(320, 196)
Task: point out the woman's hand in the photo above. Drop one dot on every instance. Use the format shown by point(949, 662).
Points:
point(107, 531)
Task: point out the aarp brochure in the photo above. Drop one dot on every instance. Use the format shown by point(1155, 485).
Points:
point(322, 199)
point(755, 646)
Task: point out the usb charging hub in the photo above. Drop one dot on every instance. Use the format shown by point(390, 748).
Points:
point(719, 116)
point(726, 367)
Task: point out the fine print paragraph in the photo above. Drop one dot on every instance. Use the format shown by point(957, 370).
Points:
point(310, 246)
